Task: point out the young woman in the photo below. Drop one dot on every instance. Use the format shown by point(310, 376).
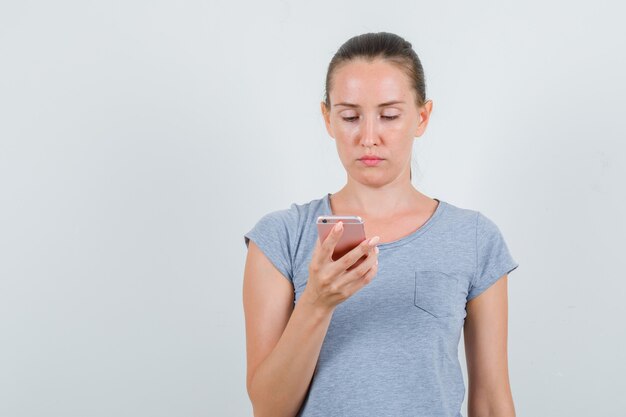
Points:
point(381, 339)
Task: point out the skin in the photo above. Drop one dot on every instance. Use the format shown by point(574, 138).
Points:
point(282, 341)
point(382, 195)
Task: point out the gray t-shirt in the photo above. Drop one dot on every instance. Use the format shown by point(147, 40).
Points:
point(392, 348)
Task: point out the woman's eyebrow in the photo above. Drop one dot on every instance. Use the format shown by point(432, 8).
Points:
point(388, 103)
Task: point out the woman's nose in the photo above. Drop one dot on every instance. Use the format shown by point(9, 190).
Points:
point(369, 132)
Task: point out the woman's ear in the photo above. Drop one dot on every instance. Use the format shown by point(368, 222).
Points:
point(326, 116)
point(424, 116)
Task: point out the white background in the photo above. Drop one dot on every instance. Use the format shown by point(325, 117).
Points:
point(139, 141)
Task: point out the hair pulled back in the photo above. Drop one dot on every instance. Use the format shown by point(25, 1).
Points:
point(385, 45)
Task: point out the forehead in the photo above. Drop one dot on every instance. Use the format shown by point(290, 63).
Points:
point(362, 82)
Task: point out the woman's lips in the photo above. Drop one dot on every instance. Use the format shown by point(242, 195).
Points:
point(371, 162)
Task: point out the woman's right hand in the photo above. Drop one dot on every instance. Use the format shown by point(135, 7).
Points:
point(332, 282)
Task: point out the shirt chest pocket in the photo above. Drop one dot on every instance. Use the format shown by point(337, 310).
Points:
point(435, 293)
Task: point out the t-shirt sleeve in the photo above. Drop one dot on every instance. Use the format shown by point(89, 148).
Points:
point(493, 259)
point(271, 235)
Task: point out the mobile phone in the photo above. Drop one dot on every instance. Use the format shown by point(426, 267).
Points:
point(353, 233)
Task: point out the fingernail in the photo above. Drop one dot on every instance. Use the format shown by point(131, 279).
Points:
point(374, 240)
point(376, 249)
point(338, 226)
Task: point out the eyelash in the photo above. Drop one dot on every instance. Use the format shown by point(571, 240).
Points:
point(351, 119)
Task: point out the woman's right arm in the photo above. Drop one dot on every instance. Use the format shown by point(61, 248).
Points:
point(282, 342)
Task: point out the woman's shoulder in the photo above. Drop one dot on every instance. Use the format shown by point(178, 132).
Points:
point(459, 214)
point(466, 212)
point(483, 226)
point(473, 220)
point(279, 233)
point(296, 211)
point(289, 219)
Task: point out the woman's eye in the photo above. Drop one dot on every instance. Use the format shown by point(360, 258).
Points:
point(353, 118)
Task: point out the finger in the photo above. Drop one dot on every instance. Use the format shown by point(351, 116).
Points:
point(365, 247)
point(362, 269)
point(328, 245)
point(357, 281)
point(318, 244)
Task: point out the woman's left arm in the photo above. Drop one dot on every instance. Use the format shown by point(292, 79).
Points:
point(485, 335)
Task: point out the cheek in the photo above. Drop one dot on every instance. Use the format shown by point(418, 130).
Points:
point(401, 129)
point(346, 130)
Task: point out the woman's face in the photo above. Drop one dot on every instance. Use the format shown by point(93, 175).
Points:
point(374, 113)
